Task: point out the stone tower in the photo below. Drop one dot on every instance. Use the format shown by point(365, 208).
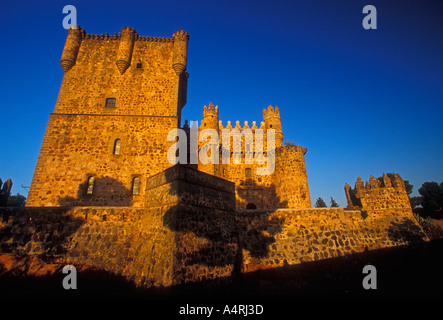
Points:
point(286, 187)
point(120, 96)
point(210, 118)
point(290, 178)
point(272, 120)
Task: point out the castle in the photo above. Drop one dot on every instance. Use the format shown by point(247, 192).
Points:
point(104, 193)
point(119, 98)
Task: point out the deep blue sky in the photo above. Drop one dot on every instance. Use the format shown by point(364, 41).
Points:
point(362, 101)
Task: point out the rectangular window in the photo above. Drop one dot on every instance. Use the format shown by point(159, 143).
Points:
point(135, 185)
point(110, 103)
point(247, 172)
point(90, 185)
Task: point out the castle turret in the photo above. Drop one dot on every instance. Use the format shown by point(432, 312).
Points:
point(272, 120)
point(72, 46)
point(210, 117)
point(125, 47)
point(180, 51)
point(290, 178)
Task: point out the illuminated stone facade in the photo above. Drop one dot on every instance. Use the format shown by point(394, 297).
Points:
point(105, 195)
point(120, 97)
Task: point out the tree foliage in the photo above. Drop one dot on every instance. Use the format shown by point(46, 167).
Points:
point(320, 203)
point(17, 200)
point(334, 204)
point(432, 196)
point(415, 201)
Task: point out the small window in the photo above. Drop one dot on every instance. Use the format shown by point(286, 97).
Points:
point(139, 65)
point(110, 103)
point(90, 185)
point(247, 172)
point(135, 185)
point(117, 146)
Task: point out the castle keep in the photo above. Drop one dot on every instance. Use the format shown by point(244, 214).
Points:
point(105, 195)
point(119, 98)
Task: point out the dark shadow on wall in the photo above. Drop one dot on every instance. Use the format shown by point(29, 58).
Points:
point(106, 191)
point(43, 232)
point(402, 272)
point(406, 231)
point(226, 234)
point(262, 196)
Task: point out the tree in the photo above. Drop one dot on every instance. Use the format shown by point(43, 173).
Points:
point(408, 187)
point(415, 201)
point(17, 201)
point(320, 203)
point(334, 204)
point(432, 194)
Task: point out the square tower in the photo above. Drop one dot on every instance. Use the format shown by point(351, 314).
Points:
point(119, 98)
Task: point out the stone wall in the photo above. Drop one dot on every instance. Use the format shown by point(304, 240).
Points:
point(285, 187)
point(178, 243)
point(70, 154)
point(301, 235)
point(386, 193)
point(125, 241)
point(147, 77)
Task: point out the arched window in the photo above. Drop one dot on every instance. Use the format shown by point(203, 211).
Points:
point(90, 185)
point(135, 185)
point(117, 143)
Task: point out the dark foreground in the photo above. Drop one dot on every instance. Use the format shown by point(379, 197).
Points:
point(413, 272)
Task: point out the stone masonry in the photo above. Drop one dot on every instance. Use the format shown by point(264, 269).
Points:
point(105, 195)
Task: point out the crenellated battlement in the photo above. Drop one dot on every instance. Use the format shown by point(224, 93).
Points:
point(239, 127)
point(117, 36)
point(387, 192)
point(270, 112)
point(210, 110)
point(271, 120)
point(278, 182)
point(126, 38)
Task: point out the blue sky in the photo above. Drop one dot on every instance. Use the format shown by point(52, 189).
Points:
point(362, 101)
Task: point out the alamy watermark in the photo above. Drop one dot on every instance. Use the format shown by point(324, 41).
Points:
point(70, 281)
point(370, 21)
point(210, 151)
point(71, 19)
point(369, 281)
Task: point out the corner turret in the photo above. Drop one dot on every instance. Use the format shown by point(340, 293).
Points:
point(125, 49)
point(180, 51)
point(72, 46)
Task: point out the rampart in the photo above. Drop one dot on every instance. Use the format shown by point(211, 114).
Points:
point(185, 238)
